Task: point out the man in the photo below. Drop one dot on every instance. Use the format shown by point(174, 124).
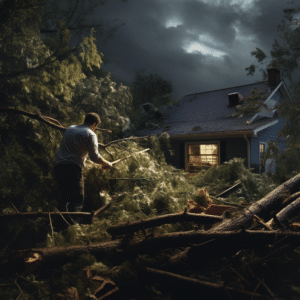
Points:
point(77, 142)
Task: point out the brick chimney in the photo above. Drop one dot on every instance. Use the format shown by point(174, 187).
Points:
point(273, 77)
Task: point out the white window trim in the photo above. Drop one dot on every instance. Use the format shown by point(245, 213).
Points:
point(196, 143)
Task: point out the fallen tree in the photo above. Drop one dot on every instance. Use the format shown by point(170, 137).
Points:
point(262, 208)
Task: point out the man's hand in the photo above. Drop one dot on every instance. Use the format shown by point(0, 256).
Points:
point(107, 166)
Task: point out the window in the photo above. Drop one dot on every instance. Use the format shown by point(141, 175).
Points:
point(202, 156)
point(262, 149)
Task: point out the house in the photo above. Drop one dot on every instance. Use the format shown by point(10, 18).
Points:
point(202, 135)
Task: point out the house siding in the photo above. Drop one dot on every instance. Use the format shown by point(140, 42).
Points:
point(266, 135)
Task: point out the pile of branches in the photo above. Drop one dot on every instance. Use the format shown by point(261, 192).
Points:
point(164, 260)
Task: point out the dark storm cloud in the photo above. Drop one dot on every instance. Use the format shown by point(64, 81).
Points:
point(197, 45)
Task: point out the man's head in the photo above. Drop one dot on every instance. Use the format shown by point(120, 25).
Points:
point(92, 120)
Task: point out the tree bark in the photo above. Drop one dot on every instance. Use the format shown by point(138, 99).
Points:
point(198, 289)
point(125, 228)
point(262, 208)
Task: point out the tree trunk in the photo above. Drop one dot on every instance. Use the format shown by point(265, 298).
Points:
point(26, 261)
point(125, 228)
point(197, 289)
point(262, 208)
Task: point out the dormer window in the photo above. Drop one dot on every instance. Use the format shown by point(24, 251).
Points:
point(235, 99)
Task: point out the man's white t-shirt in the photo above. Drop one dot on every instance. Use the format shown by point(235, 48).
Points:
point(77, 142)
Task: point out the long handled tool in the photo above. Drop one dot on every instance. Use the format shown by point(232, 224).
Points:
point(121, 159)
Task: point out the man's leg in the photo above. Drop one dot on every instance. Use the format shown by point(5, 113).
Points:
point(77, 193)
point(70, 184)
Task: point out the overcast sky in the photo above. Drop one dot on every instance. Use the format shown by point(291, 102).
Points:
point(198, 45)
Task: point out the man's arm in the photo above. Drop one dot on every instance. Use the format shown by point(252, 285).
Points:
point(94, 154)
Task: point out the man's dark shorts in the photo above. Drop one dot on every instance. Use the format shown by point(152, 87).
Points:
point(69, 179)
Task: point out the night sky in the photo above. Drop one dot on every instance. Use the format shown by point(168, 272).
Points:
point(197, 45)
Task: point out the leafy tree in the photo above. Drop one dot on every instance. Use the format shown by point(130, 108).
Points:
point(38, 78)
point(112, 103)
point(285, 57)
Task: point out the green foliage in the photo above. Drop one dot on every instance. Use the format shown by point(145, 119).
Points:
point(112, 103)
point(253, 186)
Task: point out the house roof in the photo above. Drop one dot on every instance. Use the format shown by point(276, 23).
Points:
point(208, 111)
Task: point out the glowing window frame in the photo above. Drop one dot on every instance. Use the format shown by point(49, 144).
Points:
point(201, 143)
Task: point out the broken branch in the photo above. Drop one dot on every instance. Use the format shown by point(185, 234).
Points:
point(43, 119)
point(261, 222)
point(124, 228)
point(86, 216)
point(195, 286)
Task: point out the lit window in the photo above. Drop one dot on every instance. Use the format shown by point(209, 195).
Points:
point(262, 148)
point(202, 156)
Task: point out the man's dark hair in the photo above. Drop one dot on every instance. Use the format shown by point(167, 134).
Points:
point(92, 118)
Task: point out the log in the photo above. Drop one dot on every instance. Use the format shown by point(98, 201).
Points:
point(198, 289)
point(290, 199)
point(262, 208)
point(125, 228)
point(240, 238)
point(27, 261)
point(287, 213)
